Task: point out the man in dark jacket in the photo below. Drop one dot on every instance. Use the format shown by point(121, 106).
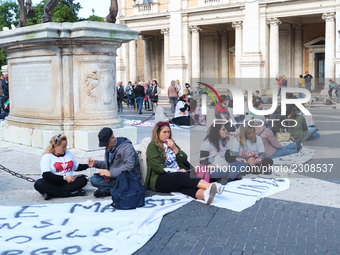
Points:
point(139, 94)
point(120, 95)
point(119, 156)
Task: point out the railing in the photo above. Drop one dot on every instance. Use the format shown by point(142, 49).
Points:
point(211, 1)
point(144, 7)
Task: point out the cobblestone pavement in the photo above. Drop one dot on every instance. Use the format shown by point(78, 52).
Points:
point(270, 226)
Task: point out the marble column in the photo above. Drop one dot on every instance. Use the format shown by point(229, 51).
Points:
point(133, 60)
point(224, 56)
point(195, 56)
point(298, 51)
point(329, 47)
point(147, 57)
point(165, 33)
point(273, 47)
point(238, 47)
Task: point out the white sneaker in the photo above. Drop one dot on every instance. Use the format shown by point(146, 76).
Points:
point(219, 187)
point(210, 193)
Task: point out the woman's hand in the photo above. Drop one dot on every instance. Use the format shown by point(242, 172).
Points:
point(181, 170)
point(251, 161)
point(172, 145)
point(70, 179)
point(91, 162)
point(241, 160)
point(105, 173)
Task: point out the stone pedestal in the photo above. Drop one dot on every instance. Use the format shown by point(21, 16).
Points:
point(62, 79)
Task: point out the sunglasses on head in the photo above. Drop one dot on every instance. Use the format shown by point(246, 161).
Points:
point(56, 140)
point(161, 124)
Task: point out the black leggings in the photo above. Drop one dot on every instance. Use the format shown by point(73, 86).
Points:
point(180, 181)
point(62, 190)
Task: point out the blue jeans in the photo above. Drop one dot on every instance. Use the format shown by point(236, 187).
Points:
point(120, 105)
point(140, 103)
point(128, 100)
point(310, 133)
point(173, 101)
point(100, 183)
point(290, 148)
point(309, 87)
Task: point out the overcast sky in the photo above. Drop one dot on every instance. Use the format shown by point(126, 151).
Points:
point(101, 7)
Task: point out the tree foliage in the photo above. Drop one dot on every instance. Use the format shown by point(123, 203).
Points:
point(64, 11)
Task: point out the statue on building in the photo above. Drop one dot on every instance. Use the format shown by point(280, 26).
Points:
point(47, 16)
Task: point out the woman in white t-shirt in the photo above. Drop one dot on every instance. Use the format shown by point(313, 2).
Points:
point(57, 166)
point(249, 146)
point(182, 109)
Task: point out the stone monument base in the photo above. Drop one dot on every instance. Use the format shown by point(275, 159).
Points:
point(83, 140)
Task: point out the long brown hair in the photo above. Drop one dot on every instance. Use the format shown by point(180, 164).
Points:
point(155, 134)
point(55, 140)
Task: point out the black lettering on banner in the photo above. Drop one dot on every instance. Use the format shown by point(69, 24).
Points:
point(272, 182)
point(70, 235)
point(108, 207)
point(48, 252)
point(65, 222)
point(45, 237)
point(18, 214)
point(104, 230)
point(150, 203)
point(102, 248)
point(68, 250)
point(97, 204)
point(10, 252)
point(8, 226)
point(46, 224)
point(28, 238)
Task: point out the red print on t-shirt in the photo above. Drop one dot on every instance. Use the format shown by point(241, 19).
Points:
point(63, 167)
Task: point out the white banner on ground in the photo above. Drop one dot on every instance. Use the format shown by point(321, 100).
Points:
point(82, 228)
point(240, 195)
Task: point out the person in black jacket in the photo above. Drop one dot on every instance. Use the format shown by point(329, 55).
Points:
point(139, 95)
point(57, 169)
point(120, 96)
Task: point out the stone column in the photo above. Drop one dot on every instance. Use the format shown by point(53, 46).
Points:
point(195, 56)
point(133, 61)
point(147, 57)
point(238, 47)
point(273, 47)
point(165, 33)
point(224, 56)
point(298, 51)
point(329, 47)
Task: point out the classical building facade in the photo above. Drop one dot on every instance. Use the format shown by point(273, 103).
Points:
point(224, 40)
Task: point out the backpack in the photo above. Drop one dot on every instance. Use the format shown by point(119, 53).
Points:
point(128, 192)
point(327, 101)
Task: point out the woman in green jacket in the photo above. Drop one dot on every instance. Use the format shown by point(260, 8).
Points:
point(166, 171)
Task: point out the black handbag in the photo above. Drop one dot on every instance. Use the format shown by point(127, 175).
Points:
point(154, 99)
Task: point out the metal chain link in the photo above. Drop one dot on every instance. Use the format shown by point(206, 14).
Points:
point(136, 124)
point(29, 179)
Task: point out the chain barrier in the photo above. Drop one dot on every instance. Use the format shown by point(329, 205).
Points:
point(136, 124)
point(29, 179)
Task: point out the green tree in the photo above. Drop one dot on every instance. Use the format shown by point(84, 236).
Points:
point(95, 18)
point(9, 15)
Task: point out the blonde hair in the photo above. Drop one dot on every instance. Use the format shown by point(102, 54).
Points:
point(242, 134)
point(155, 135)
point(177, 82)
point(55, 140)
point(141, 83)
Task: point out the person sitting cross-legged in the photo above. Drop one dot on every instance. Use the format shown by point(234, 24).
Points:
point(119, 156)
point(57, 169)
